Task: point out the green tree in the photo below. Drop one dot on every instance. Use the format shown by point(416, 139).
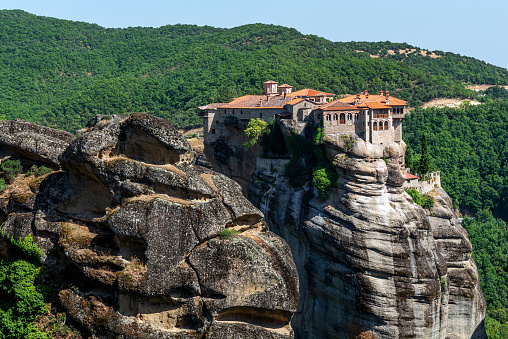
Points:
point(425, 165)
point(255, 129)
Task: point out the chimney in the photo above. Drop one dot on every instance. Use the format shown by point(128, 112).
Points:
point(357, 99)
point(387, 96)
point(381, 93)
point(366, 95)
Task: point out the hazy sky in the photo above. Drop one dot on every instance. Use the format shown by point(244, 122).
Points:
point(473, 28)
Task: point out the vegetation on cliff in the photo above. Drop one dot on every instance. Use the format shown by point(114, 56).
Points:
point(61, 73)
point(20, 299)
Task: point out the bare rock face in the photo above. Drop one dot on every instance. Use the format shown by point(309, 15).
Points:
point(228, 156)
point(32, 141)
point(140, 243)
point(371, 262)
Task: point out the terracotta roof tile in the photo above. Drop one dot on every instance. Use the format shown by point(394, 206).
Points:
point(270, 82)
point(258, 101)
point(337, 105)
point(392, 101)
point(295, 101)
point(285, 86)
point(307, 92)
point(409, 176)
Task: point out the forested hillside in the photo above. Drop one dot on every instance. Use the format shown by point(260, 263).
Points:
point(469, 145)
point(61, 73)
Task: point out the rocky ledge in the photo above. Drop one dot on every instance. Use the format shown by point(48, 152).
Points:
point(371, 262)
point(139, 242)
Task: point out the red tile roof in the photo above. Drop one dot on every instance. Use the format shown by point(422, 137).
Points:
point(295, 101)
point(258, 101)
point(307, 92)
point(392, 101)
point(337, 105)
point(373, 105)
point(270, 82)
point(409, 176)
point(285, 86)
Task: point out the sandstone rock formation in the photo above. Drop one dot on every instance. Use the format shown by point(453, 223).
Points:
point(22, 138)
point(372, 264)
point(140, 243)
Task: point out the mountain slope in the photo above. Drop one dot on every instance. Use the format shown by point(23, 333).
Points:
point(61, 73)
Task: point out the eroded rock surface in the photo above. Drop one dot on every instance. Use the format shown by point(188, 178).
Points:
point(38, 143)
point(141, 243)
point(372, 263)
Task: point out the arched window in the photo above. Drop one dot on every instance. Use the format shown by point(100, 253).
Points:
point(386, 125)
point(327, 117)
point(342, 118)
point(374, 126)
point(335, 117)
point(349, 116)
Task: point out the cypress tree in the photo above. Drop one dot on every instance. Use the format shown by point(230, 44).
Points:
point(425, 165)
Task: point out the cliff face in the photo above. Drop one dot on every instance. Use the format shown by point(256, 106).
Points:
point(373, 264)
point(141, 243)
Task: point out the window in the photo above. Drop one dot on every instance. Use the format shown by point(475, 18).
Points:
point(342, 118)
point(386, 125)
point(212, 130)
point(356, 116)
point(241, 111)
point(261, 115)
point(328, 117)
point(335, 117)
point(319, 116)
point(374, 126)
point(349, 116)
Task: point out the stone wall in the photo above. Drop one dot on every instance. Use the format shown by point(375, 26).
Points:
point(425, 186)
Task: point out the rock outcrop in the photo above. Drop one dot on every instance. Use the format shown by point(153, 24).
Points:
point(371, 262)
point(37, 143)
point(141, 243)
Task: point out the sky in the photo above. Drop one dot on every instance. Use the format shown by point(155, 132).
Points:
point(472, 28)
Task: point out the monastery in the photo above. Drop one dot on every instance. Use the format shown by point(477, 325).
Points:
point(373, 118)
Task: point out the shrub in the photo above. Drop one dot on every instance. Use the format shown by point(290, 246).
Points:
point(443, 284)
point(255, 129)
point(3, 185)
point(228, 233)
point(415, 195)
point(25, 248)
point(427, 202)
point(21, 301)
point(324, 178)
point(38, 171)
point(11, 169)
